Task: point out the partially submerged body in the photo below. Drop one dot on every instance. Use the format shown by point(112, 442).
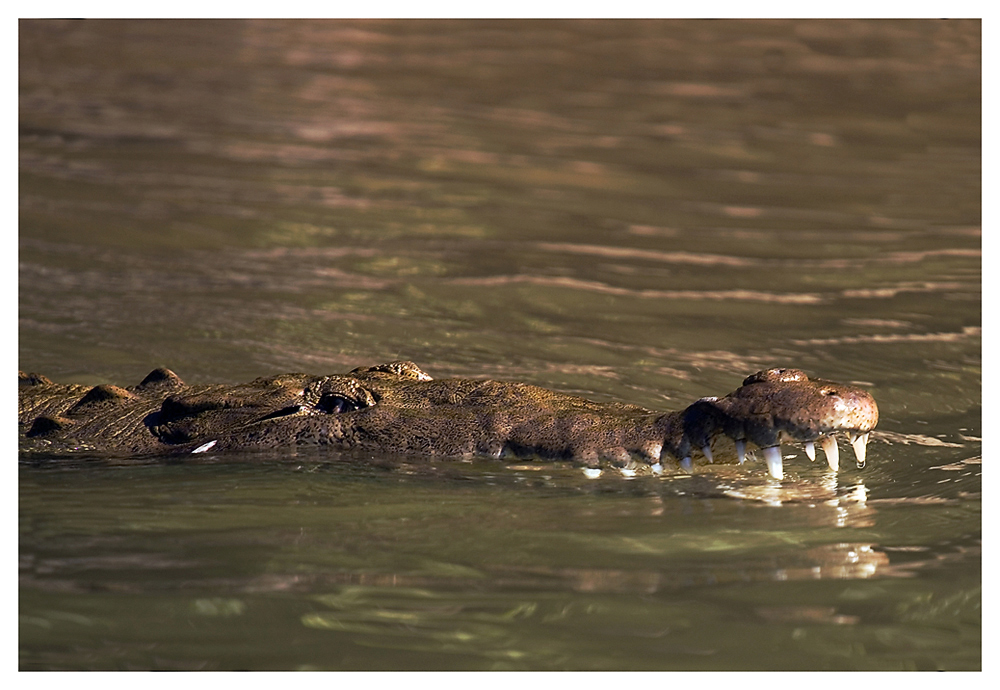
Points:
point(397, 408)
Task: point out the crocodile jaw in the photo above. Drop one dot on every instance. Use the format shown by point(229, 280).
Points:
point(776, 406)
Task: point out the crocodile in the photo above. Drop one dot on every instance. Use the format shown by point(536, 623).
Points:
point(396, 408)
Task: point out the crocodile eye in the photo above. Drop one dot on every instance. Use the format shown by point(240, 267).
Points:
point(828, 391)
point(335, 404)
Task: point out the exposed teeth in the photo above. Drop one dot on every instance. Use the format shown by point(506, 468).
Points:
point(707, 451)
point(860, 444)
point(811, 450)
point(656, 468)
point(592, 472)
point(829, 446)
point(741, 451)
point(773, 457)
point(686, 464)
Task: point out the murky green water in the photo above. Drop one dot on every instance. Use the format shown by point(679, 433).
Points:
point(641, 211)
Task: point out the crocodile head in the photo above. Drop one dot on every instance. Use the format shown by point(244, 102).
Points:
point(778, 406)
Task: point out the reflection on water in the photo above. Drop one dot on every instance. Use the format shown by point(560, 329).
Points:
point(476, 566)
point(640, 211)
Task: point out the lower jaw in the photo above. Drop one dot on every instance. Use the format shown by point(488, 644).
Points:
point(774, 459)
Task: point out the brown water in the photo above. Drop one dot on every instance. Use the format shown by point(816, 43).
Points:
point(640, 211)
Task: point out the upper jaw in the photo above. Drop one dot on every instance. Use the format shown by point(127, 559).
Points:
point(781, 405)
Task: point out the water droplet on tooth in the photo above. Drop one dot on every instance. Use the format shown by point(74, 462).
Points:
point(707, 452)
point(811, 450)
point(829, 446)
point(741, 451)
point(773, 457)
point(686, 464)
point(860, 444)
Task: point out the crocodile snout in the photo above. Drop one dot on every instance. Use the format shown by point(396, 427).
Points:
point(782, 405)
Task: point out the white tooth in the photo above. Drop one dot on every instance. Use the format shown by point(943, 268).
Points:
point(656, 468)
point(829, 446)
point(773, 457)
point(860, 444)
point(592, 472)
point(686, 464)
point(626, 472)
point(741, 451)
point(707, 451)
point(811, 450)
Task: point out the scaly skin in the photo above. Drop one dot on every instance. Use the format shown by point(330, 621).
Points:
point(397, 408)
